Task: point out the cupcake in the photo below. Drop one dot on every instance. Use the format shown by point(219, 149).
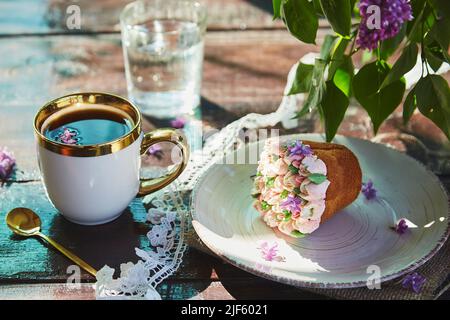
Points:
point(301, 184)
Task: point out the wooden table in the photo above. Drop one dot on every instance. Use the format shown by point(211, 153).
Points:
point(247, 59)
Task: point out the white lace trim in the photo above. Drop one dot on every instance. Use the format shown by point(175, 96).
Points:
point(169, 211)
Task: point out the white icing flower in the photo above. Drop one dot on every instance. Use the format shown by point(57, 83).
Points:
point(286, 227)
point(270, 218)
point(314, 165)
point(306, 226)
point(316, 191)
point(313, 210)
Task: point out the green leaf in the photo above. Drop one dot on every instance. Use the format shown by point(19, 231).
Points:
point(276, 9)
point(343, 76)
point(317, 6)
point(379, 104)
point(338, 13)
point(334, 105)
point(433, 101)
point(422, 22)
point(302, 81)
point(409, 106)
point(325, 49)
point(265, 206)
point(296, 190)
point(389, 46)
point(316, 89)
point(270, 182)
point(297, 234)
point(441, 32)
point(434, 58)
point(405, 63)
point(337, 56)
point(317, 178)
point(293, 169)
point(284, 194)
point(434, 53)
point(442, 6)
point(287, 216)
point(300, 18)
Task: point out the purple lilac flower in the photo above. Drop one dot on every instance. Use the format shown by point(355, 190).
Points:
point(299, 149)
point(401, 226)
point(68, 136)
point(178, 123)
point(7, 163)
point(414, 281)
point(292, 204)
point(393, 13)
point(269, 252)
point(368, 190)
point(155, 150)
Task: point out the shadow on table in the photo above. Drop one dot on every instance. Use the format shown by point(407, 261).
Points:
point(262, 4)
point(109, 244)
point(208, 111)
point(243, 285)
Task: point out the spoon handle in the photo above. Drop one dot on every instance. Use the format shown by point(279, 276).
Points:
point(69, 254)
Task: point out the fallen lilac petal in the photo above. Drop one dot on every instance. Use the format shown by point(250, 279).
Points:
point(401, 226)
point(178, 123)
point(368, 190)
point(7, 163)
point(414, 281)
point(155, 150)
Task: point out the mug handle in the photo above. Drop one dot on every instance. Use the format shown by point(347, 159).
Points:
point(148, 186)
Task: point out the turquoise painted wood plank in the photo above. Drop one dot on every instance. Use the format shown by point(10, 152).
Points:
point(30, 259)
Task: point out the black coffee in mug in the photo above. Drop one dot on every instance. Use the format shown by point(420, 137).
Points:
point(87, 125)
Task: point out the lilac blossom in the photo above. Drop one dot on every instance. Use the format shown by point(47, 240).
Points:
point(68, 136)
point(368, 190)
point(401, 226)
point(269, 252)
point(299, 149)
point(7, 163)
point(292, 204)
point(393, 13)
point(178, 123)
point(414, 281)
point(155, 151)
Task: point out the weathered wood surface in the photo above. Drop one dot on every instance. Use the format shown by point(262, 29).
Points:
point(244, 71)
point(43, 17)
point(24, 17)
point(250, 288)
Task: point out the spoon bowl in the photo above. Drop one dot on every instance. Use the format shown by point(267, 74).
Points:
point(24, 222)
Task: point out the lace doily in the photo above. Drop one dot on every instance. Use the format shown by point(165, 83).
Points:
point(170, 207)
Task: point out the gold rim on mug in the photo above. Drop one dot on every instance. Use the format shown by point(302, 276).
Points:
point(121, 104)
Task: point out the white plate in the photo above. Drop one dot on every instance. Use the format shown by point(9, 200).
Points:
point(346, 250)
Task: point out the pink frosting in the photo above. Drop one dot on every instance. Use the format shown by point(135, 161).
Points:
point(306, 225)
point(288, 184)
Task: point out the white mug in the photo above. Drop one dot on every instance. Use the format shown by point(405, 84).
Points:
point(93, 184)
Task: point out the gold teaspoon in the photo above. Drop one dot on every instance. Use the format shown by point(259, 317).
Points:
point(26, 222)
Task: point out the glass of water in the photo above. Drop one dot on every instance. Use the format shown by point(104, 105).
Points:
point(163, 44)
